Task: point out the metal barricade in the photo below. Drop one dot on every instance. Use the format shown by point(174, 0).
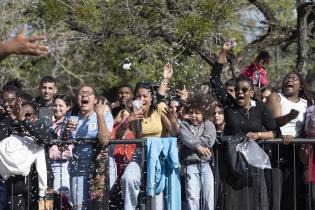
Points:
point(277, 190)
point(308, 197)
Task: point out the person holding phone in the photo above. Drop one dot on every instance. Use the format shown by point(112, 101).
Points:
point(289, 110)
point(152, 120)
point(94, 121)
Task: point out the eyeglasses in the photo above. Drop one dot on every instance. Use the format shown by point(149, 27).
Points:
point(8, 100)
point(86, 93)
point(293, 78)
point(244, 89)
point(27, 115)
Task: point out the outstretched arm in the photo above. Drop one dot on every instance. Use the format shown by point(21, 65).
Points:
point(21, 45)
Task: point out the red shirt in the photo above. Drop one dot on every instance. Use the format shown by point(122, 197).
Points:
point(257, 73)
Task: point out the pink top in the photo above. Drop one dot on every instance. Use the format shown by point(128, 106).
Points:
point(54, 151)
point(257, 73)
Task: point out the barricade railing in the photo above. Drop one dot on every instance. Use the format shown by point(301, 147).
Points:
point(274, 148)
point(141, 142)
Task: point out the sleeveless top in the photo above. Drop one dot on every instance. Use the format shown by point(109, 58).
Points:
point(294, 127)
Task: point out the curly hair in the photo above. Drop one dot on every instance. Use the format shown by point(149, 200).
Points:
point(201, 102)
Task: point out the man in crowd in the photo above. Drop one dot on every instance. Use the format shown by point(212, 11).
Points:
point(124, 97)
point(47, 90)
point(20, 45)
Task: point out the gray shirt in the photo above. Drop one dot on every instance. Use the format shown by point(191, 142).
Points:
point(194, 136)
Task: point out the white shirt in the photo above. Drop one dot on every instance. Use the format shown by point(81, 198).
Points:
point(295, 126)
point(17, 154)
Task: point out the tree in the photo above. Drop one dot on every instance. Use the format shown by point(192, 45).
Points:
point(93, 38)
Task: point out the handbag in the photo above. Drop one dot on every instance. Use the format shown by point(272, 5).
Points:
point(236, 161)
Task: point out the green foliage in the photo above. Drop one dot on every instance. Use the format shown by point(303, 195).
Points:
point(93, 38)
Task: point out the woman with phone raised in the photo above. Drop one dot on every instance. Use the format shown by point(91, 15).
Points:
point(94, 121)
point(151, 119)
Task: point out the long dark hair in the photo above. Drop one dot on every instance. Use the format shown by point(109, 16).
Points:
point(304, 93)
point(64, 98)
point(147, 85)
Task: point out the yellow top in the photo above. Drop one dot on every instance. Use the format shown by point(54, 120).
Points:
point(152, 126)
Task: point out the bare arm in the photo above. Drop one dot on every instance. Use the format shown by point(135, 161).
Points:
point(103, 131)
point(170, 124)
point(273, 103)
point(21, 45)
point(167, 74)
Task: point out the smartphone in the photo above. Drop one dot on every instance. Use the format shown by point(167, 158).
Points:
point(136, 104)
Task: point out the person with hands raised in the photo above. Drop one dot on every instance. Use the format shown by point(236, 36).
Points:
point(22, 45)
point(150, 120)
point(21, 125)
point(247, 117)
point(94, 122)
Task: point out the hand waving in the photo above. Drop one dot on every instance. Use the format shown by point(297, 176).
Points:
point(168, 71)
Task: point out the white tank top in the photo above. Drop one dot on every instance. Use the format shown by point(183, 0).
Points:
point(295, 126)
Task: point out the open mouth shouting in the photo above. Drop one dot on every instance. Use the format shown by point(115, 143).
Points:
point(240, 97)
point(84, 102)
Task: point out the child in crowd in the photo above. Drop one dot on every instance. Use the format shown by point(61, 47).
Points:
point(198, 136)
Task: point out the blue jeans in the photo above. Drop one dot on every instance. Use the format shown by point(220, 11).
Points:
point(130, 186)
point(199, 187)
point(3, 194)
point(61, 176)
point(79, 182)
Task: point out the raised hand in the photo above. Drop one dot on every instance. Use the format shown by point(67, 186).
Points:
point(168, 71)
point(21, 45)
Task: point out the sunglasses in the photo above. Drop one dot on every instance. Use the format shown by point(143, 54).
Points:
point(28, 114)
point(244, 89)
point(294, 78)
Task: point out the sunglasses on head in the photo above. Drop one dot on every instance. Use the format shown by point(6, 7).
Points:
point(244, 89)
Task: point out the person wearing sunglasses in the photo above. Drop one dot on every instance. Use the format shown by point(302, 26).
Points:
point(289, 110)
point(251, 119)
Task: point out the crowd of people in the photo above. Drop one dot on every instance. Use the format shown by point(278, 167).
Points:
point(34, 168)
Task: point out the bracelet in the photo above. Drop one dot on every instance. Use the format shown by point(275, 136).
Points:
point(259, 134)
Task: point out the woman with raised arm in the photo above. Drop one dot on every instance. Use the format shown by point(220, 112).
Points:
point(94, 120)
point(252, 120)
point(152, 121)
